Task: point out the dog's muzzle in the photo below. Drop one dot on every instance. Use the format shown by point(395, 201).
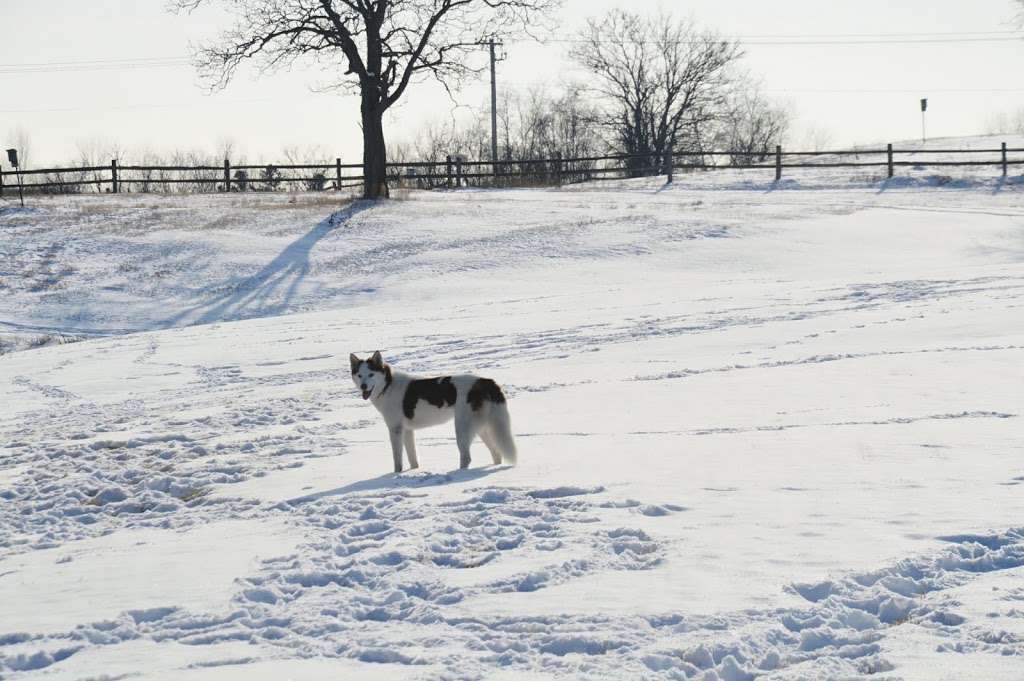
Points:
point(366, 394)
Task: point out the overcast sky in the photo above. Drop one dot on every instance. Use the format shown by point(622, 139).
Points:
point(857, 93)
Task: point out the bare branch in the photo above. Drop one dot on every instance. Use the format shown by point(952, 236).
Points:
point(377, 48)
point(658, 77)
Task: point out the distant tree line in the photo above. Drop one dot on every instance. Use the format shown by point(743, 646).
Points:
point(90, 171)
point(657, 84)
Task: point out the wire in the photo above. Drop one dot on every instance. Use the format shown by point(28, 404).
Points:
point(96, 65)
point(744, 42)
point(91, 61)
point(924, 90)
point(135, 106)
point(764, 39)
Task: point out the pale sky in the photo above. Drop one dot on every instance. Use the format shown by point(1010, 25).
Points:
point(858, 93)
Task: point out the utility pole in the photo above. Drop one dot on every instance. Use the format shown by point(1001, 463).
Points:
point(494, 108)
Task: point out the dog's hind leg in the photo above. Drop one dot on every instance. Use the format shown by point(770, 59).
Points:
point(488, 438)
point(410, 448)
point(396, 446)
point(466, 428)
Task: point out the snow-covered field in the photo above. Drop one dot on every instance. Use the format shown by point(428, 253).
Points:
point(765, 432)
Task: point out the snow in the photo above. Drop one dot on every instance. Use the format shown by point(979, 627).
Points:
point(765, 431)
point(141, 572)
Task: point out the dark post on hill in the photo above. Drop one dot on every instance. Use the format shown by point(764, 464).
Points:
point(12, 158)
point(924, 107)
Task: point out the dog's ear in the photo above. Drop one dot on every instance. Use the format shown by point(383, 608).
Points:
point(376, 361)
point(355, 361)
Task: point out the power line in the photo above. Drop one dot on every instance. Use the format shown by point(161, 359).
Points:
point(882, 91)
point(96, 65)
point(908, 38)
point(911, 34)
point(821, 42)
point(124, 107)
point(92, 61)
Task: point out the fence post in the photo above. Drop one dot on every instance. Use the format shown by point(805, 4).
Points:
point(778, 162)
point(558, 168)
point(337, 174)
point(669, 163)
point(1004, 159)
point(459, 179)
point(115, 187)
point(448, 171)
point(227, 176)
point(888, 152)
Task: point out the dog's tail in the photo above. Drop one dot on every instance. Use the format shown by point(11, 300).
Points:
point(501, 432)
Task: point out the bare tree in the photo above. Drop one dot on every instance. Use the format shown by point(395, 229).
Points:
point(532, 124)
point(381, 47)
point(312, 180)
point(816, 138)
point(96, 154)
point(752, 124)
point(662, 79)
point(1005, 122)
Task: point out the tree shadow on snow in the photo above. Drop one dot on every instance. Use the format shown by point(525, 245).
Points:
point(271, 290)
point(407, 480)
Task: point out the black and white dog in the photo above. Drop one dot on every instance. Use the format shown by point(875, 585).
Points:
point(408, 403)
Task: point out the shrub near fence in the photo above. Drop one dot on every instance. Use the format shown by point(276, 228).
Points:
point(456, 171)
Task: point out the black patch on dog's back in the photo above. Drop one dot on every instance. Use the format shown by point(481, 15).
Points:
point(484, 390)
point(439, 392)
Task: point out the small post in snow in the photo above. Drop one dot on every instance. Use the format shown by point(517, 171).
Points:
point(114, 185)
point(448, 170)
point(778, 162)
point(1004, 159)
point(889, 152)
point(227, 176)
point(924, 107)
point(337, 174)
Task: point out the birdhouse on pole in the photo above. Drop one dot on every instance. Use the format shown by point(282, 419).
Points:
point(12, 157)
point(924, 107)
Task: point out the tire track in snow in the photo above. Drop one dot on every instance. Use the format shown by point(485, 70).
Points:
point(820, 359)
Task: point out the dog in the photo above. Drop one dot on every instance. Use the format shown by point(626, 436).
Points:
point(408, 403)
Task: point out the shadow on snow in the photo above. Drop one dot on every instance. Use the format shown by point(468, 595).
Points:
point(280, 279)
point(404, 481)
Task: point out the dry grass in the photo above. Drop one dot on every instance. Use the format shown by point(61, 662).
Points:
point(303, 201)
point(194, 495)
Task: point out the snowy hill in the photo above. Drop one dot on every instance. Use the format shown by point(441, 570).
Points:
point(764, 431)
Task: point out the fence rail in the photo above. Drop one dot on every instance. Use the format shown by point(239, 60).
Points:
point(456, 171)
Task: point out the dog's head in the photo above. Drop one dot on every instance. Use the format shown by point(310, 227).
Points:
point(371, 376)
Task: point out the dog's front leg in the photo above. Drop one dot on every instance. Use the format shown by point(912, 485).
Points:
point(410, 448)
point(396, 446)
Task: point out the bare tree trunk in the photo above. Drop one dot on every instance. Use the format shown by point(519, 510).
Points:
point(375, 185)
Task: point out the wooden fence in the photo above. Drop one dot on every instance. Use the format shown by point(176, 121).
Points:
point(458, 172)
